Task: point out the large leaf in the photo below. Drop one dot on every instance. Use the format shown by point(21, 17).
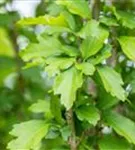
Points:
point(45, 20)
point(93, 29)
point(112, 82)
point(128, 46)
point(88, 113)
point(122, 125)
point(78, 7)
point(29, 135)
point(44, 48)
point(67, 84)
point(113, 143)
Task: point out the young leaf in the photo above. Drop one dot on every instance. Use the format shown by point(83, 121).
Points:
point(45, 20)
point(122, 125)
point(114, 143)
point(86, 68)
point(88, 113)
point(78, 7)
point(67, 84)
point(128, 46)
point(112, 82)
point(29, 134)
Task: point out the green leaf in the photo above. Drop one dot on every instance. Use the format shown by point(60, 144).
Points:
point(7, 66)
point(65, 132)
point(41, 106)
point(128, 46)
point(104, 54)
point(93, 29)
point(54, 105)
point(29, 134)
point(112, 82)
point(127, 19)
point(86, 68)
point(61, 63)
point(78, 7)
point(105, 100)
point(6, 47)
point(122, 125)
point(114, 143)
point(88, 113)
point(70, 20)
point(66, 84)
point(109, 21)
point(44, 48)
point(50, 30)
point(90, 46)
point(45, 20)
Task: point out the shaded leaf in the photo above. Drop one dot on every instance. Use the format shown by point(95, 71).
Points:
point(88, 113)
point(114, 143)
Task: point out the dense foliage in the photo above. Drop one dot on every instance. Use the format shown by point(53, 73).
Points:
point(73, 85)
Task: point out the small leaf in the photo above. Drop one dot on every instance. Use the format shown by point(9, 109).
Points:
point(128, 46)
point(45, 20)
point(78, 7)
point(88, 113)
point(86, 68)
point(115, 143)
point(67, 84)
point(41, 106)
point(122, 125)
point(29, 134)
point(112, 82)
